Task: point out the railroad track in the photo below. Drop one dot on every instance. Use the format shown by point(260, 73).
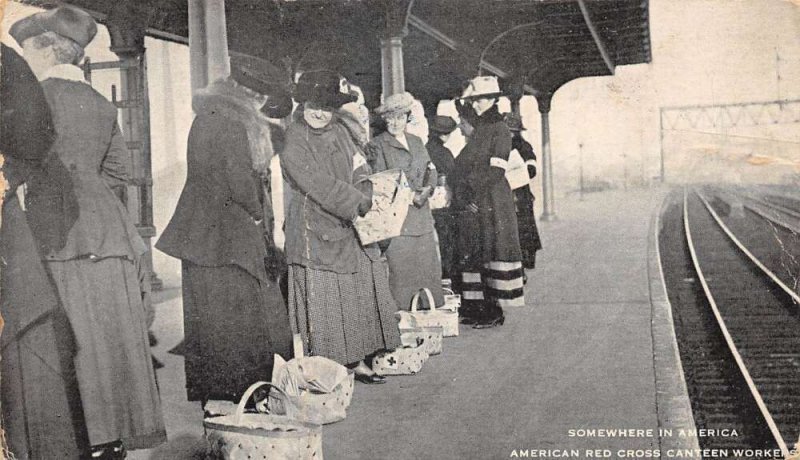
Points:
point(769, 234)
point(790, 204)
point(775, 210)
point(738, 330)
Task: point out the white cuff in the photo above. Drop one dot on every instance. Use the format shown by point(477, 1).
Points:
point(21, 195)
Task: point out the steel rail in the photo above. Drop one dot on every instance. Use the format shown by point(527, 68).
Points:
point(728, 339)
point(777, 207)
point(747, 252)
point(763, 213)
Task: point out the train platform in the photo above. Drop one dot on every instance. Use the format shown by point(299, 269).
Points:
point(586, 369)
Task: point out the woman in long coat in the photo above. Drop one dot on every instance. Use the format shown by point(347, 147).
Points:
point(95, 271)
point(523, 197)
point(235, 318)
point(441, 128)
point(488, 243)
point(413, 256)
point(339, 297)
point(42, 415)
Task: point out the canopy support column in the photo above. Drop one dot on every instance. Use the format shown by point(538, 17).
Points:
point(549, 212)
point(515, 89)
point(126, 27)
point(392, 75)
point(396, 28)
point(515, 107)
point(208, 42)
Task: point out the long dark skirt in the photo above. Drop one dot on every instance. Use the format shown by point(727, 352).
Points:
point(103, 302)
point(233, 324)
point(529, 240)
point(42, 415)
point(344, 317)
point(445, 225)
point(490, 270)
point(414, 264)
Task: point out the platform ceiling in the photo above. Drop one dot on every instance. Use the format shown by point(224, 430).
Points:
point(541, 43)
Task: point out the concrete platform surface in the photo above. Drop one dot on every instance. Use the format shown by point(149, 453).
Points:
point(579, 356)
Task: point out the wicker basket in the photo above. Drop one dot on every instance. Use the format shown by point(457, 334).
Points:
point(447, 319)
point(401, 361)
point(452, 301)
point(264, 436)
point(429, 338)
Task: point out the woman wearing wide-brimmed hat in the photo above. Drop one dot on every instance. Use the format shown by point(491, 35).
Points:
point(95, 270)
point(339, 297)
point(523, 197)
point(234, 315)
point(413, 256)
point(489, 253)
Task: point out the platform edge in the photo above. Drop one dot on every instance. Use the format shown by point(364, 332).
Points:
point(673, 407)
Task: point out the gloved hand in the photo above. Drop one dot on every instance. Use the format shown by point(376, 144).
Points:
point(531, 171)
point(421, 197)
point(364, 206)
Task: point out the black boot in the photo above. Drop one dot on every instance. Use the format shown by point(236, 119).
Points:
point(491, 316)
point(470, 311)
point(110, 451)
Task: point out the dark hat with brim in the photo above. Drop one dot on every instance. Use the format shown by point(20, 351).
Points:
point(442, 124)
point(322, 87)
point(259, 75)
point(278, 105)
point(67, 21)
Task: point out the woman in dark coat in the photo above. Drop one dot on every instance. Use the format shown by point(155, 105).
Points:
point(95, 272)
point(413, 257)
point(489, 253)
point(523, 197)
point(42, 415)
point(339, 296)
point(441, 127)
point(235, 318)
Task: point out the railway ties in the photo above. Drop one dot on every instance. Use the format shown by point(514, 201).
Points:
point(752, 339)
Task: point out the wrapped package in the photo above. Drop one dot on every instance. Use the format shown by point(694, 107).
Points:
point(391, 197)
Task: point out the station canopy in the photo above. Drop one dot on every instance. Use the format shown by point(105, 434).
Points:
point(535, 46)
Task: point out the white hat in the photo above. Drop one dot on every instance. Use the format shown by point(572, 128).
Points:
point(486, 86)
point(400, 102)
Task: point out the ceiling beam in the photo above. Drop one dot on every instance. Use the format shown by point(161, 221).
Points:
point(442, 38)
point(596, 35)
point(102, 19)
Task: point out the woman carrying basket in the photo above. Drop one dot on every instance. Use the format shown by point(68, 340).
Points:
point(339, 297)
point(413, 256)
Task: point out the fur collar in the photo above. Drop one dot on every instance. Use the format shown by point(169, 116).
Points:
point(236, 103)
point(64, 72)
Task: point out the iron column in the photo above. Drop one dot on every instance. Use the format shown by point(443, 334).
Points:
point(549, 212)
